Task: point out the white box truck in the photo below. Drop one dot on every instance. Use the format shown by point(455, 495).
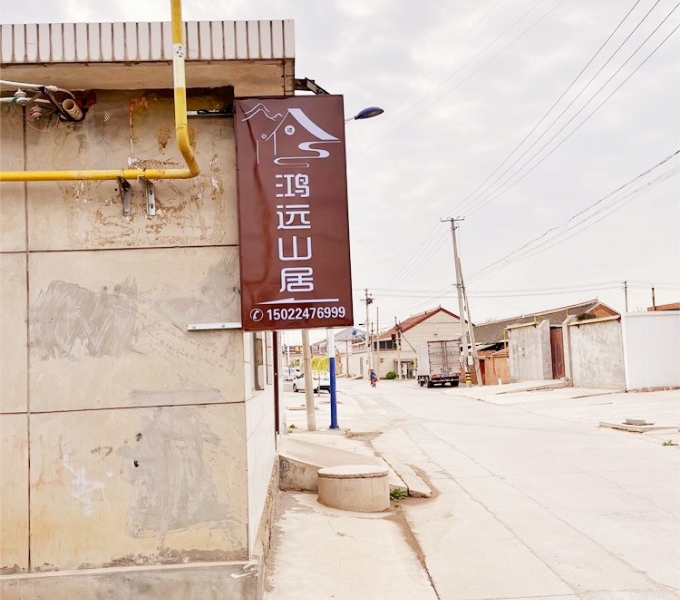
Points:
point(439, 363)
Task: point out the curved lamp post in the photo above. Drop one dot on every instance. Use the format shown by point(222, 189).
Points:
point(366, 113)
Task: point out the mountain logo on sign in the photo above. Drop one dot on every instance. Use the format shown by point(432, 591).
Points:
point(291, 139)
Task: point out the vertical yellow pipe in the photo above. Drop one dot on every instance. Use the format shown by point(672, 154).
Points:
point(179, 79)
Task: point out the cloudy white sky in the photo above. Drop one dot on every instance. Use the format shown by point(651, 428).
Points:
point(542, 123)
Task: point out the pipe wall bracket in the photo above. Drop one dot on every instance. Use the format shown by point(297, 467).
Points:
point(124, 190)
point(150, 195)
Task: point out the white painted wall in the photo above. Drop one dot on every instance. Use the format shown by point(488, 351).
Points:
point(357, 362)
point(260, 434)
point(651, 348)
point(596, 358)
point(261, 456)
point(439, 326)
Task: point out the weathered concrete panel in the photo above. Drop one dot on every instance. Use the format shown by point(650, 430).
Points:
point(138, 486)
point(136, 130)
point(109, 328)
point(12, 196)
point(596, 354)
point(185, 582)
point(529, 352)
point(13, 336)
point(14, 505)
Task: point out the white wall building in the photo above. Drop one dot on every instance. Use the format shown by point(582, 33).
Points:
point(396, 347)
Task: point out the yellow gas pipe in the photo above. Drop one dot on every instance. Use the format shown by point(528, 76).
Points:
point(181, 129)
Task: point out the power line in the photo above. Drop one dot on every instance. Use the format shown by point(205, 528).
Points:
point(393, 112)
point(450, 291)
point(619, 203)
point(426, 251)
point(433, 242)
point(615, 205)
point(393, 126)
point(562, 288)
point(527, 247)
point(545, 115)
point(550, 243)
point(480, 201)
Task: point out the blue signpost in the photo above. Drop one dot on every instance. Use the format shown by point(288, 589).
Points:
point(330, 342)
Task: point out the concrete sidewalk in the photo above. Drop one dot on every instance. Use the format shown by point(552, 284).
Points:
point(532, 498)
point(324, 553)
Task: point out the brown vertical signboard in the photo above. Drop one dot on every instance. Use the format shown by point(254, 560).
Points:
point(292, 211)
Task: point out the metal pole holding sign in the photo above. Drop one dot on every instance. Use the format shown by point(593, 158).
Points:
point(309, 383)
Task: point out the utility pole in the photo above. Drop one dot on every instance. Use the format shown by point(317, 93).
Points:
point(473, 343)
point(377, 345)
point(625, 294)
point(459, 288)
point(397, 341)
point(368, 300)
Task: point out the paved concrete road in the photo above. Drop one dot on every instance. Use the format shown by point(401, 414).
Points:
point(532, 499)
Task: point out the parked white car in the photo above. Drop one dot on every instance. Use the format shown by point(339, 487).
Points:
point(299, 382)
point(290, 373)
point(324, 379)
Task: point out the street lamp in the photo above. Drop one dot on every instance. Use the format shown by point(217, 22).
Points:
point(366, 113)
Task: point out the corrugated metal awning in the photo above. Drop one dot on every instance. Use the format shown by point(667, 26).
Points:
point(50, 43)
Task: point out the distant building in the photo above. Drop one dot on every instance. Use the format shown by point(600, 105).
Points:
point(672, 306)
point(491, 337)
point(395, 349)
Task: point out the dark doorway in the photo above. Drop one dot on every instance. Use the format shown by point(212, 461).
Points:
point(557, 352)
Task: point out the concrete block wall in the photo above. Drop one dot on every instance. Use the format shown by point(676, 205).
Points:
point(128, 442)
point(529, 352)
point(595, 353)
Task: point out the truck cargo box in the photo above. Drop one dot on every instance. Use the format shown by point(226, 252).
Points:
point(439, 363)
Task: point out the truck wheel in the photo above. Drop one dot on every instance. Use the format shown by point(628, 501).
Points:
point(430, 384)
point(421, 383)
point(295, 388)
point(454, 384)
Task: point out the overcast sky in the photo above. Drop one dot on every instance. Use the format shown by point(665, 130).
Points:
point(543, 123)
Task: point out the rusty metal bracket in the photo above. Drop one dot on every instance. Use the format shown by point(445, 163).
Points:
point(150, 195)
point(309, 85)
point(124, 191)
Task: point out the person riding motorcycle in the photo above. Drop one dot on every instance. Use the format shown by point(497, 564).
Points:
point(373, 377)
